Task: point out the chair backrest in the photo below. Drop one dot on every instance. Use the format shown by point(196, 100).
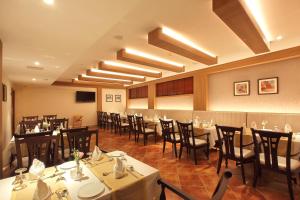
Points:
point(105, 117)
point(222, 185)
point(270, 141)
point(112, 118)
point(56, 123)
point(186, 131)
point(39, 147)
point(79, 139)
point(117, 119)
point(131, 122)
point(30, 125)
point(47, 118)
point(226, 136)
point(140, 124)
point(30, 118)
point(167, 127)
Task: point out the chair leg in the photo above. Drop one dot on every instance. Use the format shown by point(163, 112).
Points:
point(195, 156)
point(145, 139)
point(290, 185)
point(175, 149)
point(220, 161)
point(164, 145)
point(255, 173)
point(226, 162)
point(129, 133)
point(155, 137)
point(207, 152)
point(243, 172)
point(180, 151)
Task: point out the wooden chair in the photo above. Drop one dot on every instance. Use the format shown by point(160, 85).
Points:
point(119, 124)
point(63, 133)
point(169, 134)
point(57, 123)
point(106, 121)
point(47, 118)
point(269, 159)
point(143, 130)
point(217, 195)
point(112, 122)
point(227, 149)
point(40, 146)
point(99, 116)
point(26, 126)
point(79, 140)
point(188, 140)
point(30, 118)
point(132, 126)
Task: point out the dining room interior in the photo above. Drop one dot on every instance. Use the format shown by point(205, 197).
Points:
point(150, 99)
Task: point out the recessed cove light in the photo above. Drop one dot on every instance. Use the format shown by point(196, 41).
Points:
point(49, 2)
point(279, 37)
point(36, 63)
point(33, 79)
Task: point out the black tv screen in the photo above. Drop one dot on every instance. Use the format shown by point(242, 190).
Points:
point(82, 96)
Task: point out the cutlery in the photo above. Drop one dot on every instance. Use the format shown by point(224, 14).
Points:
point(110, 159)
point(106, 173)
point(130, 167)
point(132, 173)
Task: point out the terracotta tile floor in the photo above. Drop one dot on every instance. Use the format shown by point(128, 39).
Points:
point(198, 181)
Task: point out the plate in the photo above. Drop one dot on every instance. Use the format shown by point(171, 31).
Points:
point(68, 165)
point(90, 190)
point(116, 154)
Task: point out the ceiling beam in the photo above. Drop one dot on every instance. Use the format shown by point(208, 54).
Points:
point(87, 84)
point(102, 80)
point(161, 40)
point(238, 18)
point(137, 71)
point(114, 75)
point(125, 56)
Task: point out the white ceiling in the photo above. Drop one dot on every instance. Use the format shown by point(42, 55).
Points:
point(71, 35)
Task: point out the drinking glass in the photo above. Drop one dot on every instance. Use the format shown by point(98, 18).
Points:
point(21, 184)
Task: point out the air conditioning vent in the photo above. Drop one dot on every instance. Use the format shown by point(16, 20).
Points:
point(35, 68)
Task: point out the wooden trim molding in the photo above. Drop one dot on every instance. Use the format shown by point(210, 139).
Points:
point(158, 39)
point(238, 18)
point(97, 79)
point(91, 72)
point(140, 71)
point(123, 55)
point(99, 98)
point(1, 132)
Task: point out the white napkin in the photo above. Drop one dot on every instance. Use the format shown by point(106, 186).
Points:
point(37, 169)
point(97, 153)
point(61, 126)
point(287, 128)
point(42, 191)
point(36, 129)
point(119, 169)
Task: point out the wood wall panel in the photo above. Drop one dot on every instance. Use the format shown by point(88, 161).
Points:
point(175, 87)
point(99, 99)
point(139, 92)
point(1, 133)
point(151, 96)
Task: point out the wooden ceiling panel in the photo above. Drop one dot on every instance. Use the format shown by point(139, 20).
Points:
point(93, 72)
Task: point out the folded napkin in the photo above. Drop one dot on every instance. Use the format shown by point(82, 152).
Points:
point(97, 153)
point(36, 129)
point(287, 128)
point(119, 169)
point(37, 169)
point(42, 191)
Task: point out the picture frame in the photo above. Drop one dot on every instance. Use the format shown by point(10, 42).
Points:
point(268, 86)
point(241, 88)
point(109, 98)
point(118, 98)
point(4, 92)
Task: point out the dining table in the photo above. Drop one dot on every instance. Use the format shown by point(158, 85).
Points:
point(138, 182)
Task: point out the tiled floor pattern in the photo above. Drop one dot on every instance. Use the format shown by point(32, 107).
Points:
point(197, 180)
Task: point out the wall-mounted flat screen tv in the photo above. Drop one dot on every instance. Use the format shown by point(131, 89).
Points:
point(82, 96)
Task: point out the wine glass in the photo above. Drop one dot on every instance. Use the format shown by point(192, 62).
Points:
point(21, 184)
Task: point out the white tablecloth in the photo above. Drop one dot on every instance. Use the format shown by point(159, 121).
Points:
point(151, 175)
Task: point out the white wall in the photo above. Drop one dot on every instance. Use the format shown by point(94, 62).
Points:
point(287, 101)
point(138, 103)
point(177, 102)
point(118, 107)
point(6, 121)
point(54, 100)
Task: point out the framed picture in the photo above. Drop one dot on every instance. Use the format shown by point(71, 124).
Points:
point(4, 92)
point(109, 98)
point(268, 86)
point(118, 98)
point(241, 88)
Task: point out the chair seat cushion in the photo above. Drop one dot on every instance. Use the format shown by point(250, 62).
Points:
point(124, 124)
point(24, 162)
point(198, 142)
point(177, 137)
point(149, 130)
point(247, 153)
point(109, 120)
point(295, 164)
